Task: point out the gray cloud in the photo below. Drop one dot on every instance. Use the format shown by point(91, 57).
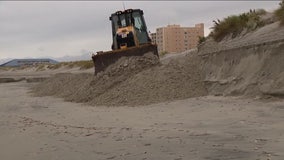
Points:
point(51, 28)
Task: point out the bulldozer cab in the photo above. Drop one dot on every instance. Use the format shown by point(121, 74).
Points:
point(128, 29)
point(130, 38)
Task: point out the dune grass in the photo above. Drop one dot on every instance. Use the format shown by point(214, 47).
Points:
point(80, 64)
point(201, 40)
point(42, 67)
point(235, 24)
point(279, 13)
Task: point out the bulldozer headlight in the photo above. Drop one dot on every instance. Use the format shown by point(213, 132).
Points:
point(129, 10)
point(118, 12)
point(124, 35)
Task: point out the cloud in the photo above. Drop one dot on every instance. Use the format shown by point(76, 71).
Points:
point(57, 28)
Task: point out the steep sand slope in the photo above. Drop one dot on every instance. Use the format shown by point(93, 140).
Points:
point(247, 65)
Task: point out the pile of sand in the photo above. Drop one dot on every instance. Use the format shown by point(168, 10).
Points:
point(178, 79)
point(130, 81)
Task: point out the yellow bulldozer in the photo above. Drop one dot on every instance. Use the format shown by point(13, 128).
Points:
point(130, 38)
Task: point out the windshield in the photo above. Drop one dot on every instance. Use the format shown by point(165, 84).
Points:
point(127, 19)
point(122, 22)
point(138, 23)
point(134, 18)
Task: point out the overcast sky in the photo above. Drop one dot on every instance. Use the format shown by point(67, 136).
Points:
point(60, 28)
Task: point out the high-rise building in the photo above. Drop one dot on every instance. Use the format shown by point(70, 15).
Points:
point(153, 38)
point(175, 39)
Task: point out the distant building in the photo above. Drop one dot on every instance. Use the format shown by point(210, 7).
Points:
point(176, 39)
point(27, 62)
point(153, 38)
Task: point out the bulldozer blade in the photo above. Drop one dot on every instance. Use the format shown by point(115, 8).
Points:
point(104, 59)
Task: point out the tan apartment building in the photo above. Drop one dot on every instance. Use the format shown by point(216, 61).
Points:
point(176, 39)
point(153, 38)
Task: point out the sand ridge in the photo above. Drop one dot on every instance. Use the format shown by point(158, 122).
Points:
point(130, 81)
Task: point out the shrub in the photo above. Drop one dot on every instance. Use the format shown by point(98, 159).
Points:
point(279, 13)
point(163, 53)
point(201, 40)
point(54, 66)
point(85, 64)
point(235, 24)
point(5, 68)
point(40, 67)
point(81, 64)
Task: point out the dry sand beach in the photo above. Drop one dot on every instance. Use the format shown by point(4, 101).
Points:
point(198, 128)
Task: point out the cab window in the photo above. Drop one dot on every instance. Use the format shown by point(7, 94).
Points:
point(138, 23)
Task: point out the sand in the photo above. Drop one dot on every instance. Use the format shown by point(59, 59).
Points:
point(131, 81)
point(249, 65)
point(206, 128)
